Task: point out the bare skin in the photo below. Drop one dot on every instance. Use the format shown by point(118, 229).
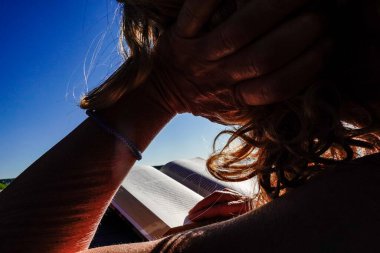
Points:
point(195, 71)
point(57, 203)
point(221, 204)
point(337, 212)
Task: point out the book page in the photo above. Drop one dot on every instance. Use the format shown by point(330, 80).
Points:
point(146, 222)
point(169, 200)
point(194, 174)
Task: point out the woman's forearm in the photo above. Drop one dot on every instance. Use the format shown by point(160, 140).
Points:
point(57, 203)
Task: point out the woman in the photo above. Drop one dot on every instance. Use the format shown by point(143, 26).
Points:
point(70, 187)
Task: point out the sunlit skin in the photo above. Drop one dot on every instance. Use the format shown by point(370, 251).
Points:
point(57, 203)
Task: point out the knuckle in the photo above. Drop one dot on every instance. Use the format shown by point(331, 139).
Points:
point(189, 14)
point(199, 70)
point(254, 68)
point(266, 94)
point(203, 51)
point(226, 44)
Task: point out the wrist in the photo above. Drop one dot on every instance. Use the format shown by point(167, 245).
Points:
point(138, 117)
point(163, 90)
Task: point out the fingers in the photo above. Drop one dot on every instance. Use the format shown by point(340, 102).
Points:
point(193, 15)
point(232, 191)
point(216, 197)
point(220, 204)
point(245, 25)
point(223, 210)
point(275, 49)
point(287, 81)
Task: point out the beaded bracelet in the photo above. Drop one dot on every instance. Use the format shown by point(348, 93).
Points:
point(132, 147)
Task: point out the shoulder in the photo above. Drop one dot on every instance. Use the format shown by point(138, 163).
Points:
point(339, 211)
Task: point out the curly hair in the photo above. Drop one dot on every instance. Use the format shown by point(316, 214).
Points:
point(283, 144)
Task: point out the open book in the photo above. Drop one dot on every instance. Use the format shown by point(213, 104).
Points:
point(156, 201)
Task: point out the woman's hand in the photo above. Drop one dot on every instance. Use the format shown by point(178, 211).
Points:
point(221, 205)
point(253, 58)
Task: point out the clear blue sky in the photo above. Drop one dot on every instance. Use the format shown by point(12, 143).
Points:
point(50, 52)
